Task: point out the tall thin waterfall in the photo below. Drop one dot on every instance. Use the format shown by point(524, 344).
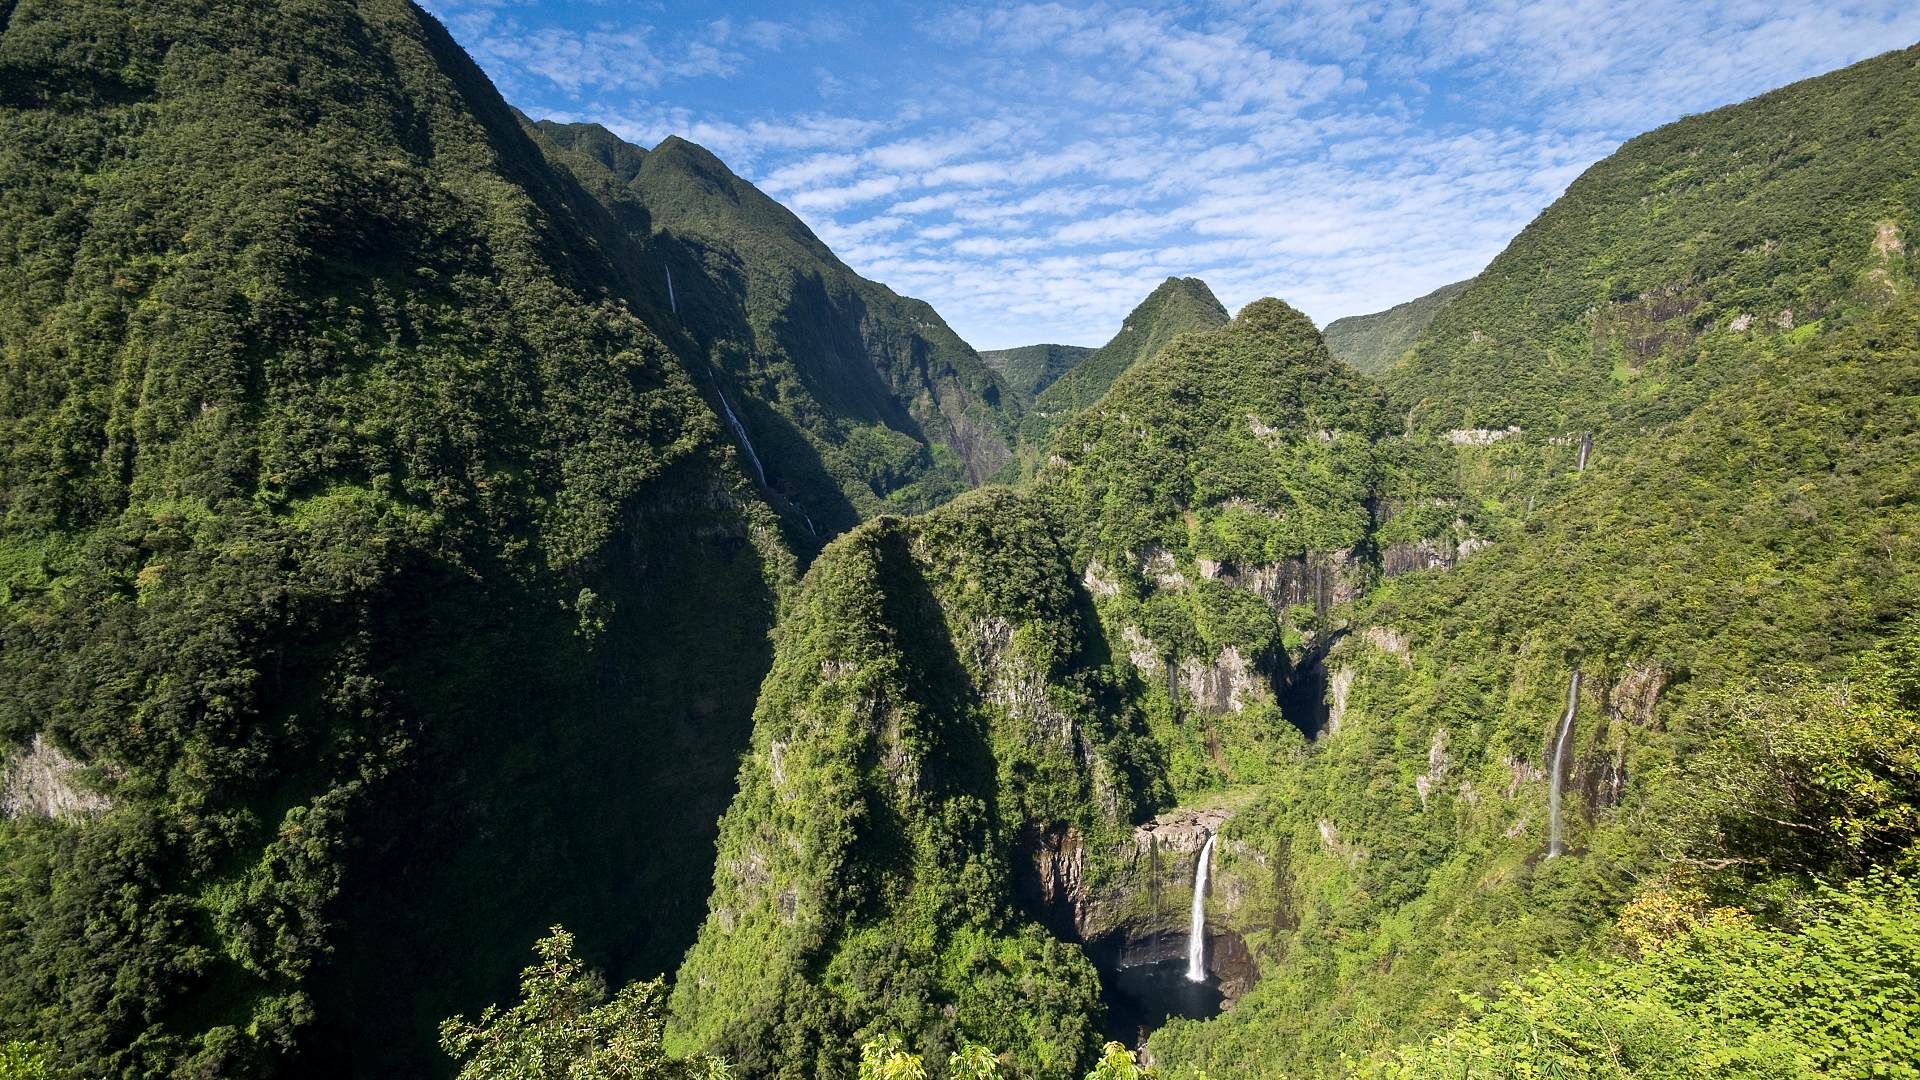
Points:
point(1586, 447)
point(672, 300)
point(1197, 932)
point(1556, 836)
point(740, 431)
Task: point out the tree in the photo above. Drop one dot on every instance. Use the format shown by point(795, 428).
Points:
point(564, 1028)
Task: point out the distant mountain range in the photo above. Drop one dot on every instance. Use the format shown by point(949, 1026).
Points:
point(1372, 342)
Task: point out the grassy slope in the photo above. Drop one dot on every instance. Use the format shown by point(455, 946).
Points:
point(1372, 342)
point(355, 530)
point(858, 400)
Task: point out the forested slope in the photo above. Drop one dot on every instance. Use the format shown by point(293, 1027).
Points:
point(360, 551)
point(1176, 306)
point(941, 698)
point(1372, 342)
point(856, 399)
point(1030, 369)
point(1740, 543)
point(1668, 266)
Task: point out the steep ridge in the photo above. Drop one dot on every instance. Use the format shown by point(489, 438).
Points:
point(1068, 660)
point(858, 400)
point(940, 698)
point(1176, 306)
point(1677, 576)
point(1249, 516)
point(1030, 369)
point(375, 588)
point(1373, 342)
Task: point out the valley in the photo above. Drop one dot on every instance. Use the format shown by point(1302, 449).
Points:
point(430, 533)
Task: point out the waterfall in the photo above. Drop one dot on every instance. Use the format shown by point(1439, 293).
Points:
point(1586, 447)
point(672, 301)
point(1556, 839)
point(1197, 932)
point(740, 431)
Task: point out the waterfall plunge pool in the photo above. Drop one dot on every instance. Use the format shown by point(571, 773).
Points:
point(1142, 997)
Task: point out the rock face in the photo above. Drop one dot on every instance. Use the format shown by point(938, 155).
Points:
point(1318, 579)
point(1228, 683)
point(38, 780)
point(1601, 772)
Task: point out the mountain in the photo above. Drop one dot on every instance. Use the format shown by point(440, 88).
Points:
point(972, 712)
point(1176, 306)
point(376, 588)
point(1441, 707)
point(941, 696)
point(1030, 369)
point(1656, 633)
point(1372, 342)
point(1641, 291)
point(856, 400)
point(395, 564)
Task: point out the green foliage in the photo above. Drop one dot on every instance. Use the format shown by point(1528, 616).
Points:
point(351, 523)
point(1373, 342)
point(1730, 573)
point(1251, 431)
point(1836, 995)
point(938, 695)
point(23, 1061)
point(885, 1058)
point(565, 1028)
point(857, 400)
point(1030, 369)
point(1667, 267)
point(1116, 1063)
point(1175, 307)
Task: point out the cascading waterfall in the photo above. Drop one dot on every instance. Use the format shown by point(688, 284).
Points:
point(1556, 837)
point(1197, 932)
point(740, 432)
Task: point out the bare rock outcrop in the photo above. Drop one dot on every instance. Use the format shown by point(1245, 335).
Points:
point(41, 780)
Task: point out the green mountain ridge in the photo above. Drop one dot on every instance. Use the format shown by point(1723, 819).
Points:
point(856, 399)
point(1373, 342)
point(1029, 369)
point(1231, 508)
point(1174, 307)
point(360, 550)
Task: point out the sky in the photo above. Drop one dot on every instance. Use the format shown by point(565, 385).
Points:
point(1033, 170)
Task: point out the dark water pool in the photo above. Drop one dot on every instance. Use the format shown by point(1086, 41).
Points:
point(1143, 997)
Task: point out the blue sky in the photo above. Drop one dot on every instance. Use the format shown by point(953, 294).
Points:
point(1033, 170)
